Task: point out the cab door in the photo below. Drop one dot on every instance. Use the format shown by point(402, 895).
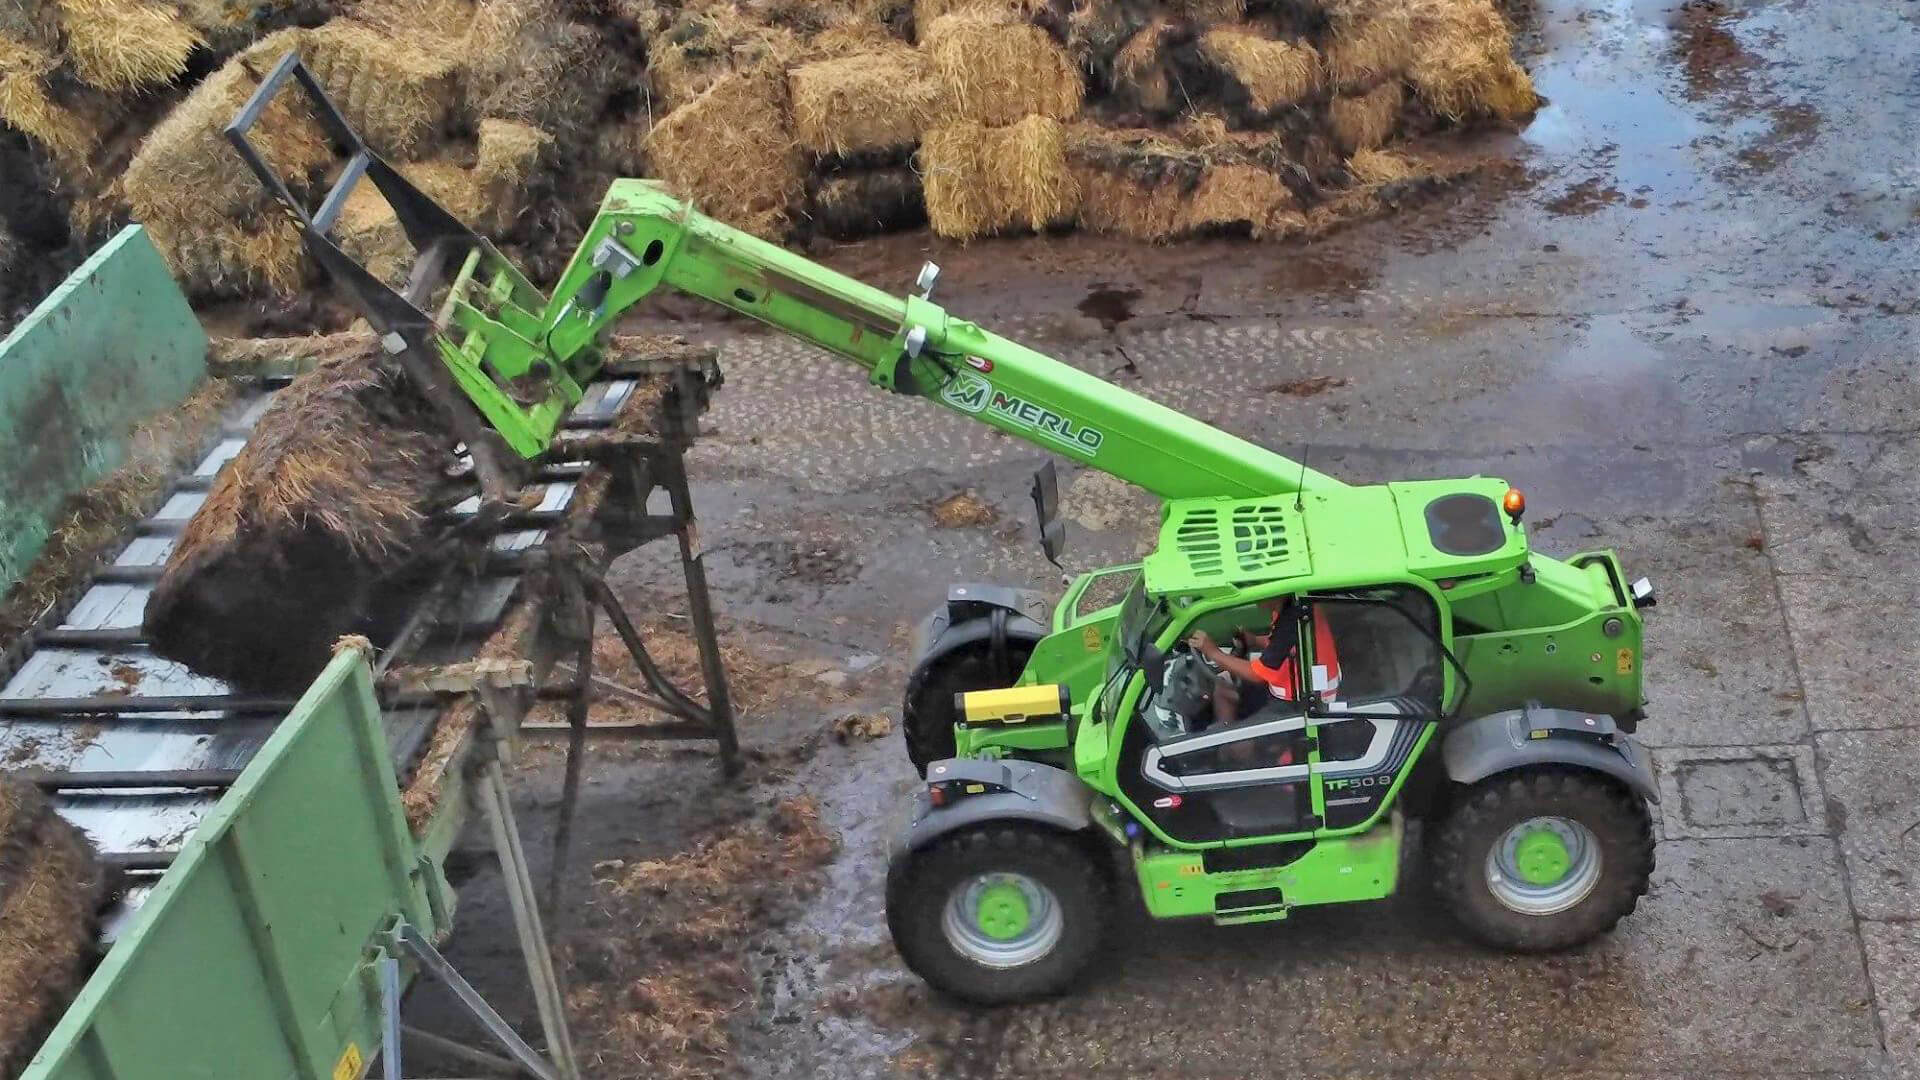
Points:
point(1381, 673)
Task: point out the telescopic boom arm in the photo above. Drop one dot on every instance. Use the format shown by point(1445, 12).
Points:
point(644, 240)
point(523, 359)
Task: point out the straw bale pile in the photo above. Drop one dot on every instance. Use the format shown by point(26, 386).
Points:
point(784, 117)
point(310, 528)
point(51, 888)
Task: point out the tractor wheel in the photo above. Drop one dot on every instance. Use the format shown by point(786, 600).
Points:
point(1543, 859)
point(998, 914)
point(927, 713)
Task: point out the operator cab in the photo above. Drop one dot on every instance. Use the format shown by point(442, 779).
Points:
point(1366, 677)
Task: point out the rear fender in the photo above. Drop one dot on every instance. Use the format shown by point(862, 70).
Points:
point(1011, 791)
point(993, 615)
point(1534, 736)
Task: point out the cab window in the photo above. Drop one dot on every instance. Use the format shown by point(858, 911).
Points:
point(1376, 651)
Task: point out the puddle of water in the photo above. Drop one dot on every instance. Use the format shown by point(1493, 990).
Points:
point(1109, 305)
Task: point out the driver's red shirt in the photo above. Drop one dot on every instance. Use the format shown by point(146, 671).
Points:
point(1276, 663)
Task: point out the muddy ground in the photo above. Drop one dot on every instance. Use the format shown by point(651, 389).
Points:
point(1685, 325)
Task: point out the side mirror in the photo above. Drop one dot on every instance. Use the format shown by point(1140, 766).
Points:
point(1154, 663)
point(1046, 503)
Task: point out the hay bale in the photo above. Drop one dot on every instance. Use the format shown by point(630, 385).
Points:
point(849, 38)
point(303, 534)
point(925, 12)
point(702, 47)
point(185, 173)
point(730, 150)
point(1141, 78)
point(1242, 198)
point(1272, 74)
point(509, 156)
point(1144, 185)
point(995, 69)
point(1133, 183)
point(1464, 67)
point(530, 63)
point(870, 101)
point(224, 261)
point(398, 93)
point(369, 232)
point(1381, 167)
point(488, 196)
point(1365, 121)
point(1097, 30)
point(120, 45)
point(982, 180)
point(852, 205)
point(1368, 42)
point(51, 888)
point(26, 106)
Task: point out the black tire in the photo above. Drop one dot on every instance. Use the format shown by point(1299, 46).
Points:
point(1616, 819)
point(920, 884)
point(927, 715)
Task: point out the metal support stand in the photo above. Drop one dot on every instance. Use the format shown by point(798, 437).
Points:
point(525, 1059)
point(700, 611)
point(639, 468)
point(577, 707)
point(548, 998)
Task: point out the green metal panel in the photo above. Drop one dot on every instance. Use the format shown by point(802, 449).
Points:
point(249, 959)
point(1207, 544)
point(1336, 870)
point(113, 345)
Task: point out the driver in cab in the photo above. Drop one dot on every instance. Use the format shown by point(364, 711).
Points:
point(1268, 671)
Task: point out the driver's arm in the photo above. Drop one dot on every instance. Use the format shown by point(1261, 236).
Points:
point(1204, 645)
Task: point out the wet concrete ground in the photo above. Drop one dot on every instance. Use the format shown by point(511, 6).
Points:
point(1687, 334)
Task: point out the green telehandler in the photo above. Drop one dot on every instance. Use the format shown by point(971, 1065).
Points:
point(1390, 653)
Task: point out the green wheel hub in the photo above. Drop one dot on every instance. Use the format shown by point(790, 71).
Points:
point(1543, 866)
point(1003, 913)
point(1002, 919)
point(1541, 857)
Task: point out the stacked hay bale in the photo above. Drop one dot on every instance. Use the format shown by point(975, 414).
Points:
point(51, 888)
point(859, 118)
point(783, 117)
point(311, 529)
point(998, 163)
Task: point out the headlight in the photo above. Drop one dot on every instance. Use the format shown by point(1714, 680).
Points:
point(1642, 590)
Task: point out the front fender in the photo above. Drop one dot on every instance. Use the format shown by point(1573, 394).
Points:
point(1534, 735)
point(1012, 790)
point(992, 615)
